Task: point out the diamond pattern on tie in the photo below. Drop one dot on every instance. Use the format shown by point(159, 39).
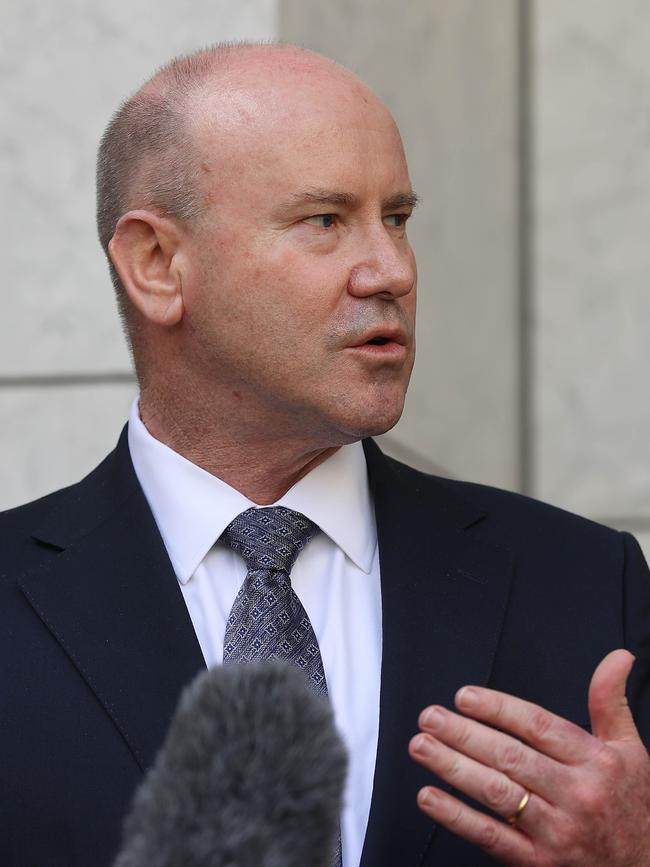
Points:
point(267, 620)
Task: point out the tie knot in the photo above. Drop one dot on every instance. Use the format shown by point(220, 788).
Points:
point(269, 538)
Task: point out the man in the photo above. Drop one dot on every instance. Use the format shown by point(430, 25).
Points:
point(253, 203)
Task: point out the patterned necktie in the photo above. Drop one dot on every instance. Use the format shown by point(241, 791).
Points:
point(267, 620)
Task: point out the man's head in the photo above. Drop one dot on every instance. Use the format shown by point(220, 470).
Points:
point(252, 200)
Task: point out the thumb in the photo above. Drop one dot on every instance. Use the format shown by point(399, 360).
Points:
point(611, 718)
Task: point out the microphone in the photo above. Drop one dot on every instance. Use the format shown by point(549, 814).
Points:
point(251, 774)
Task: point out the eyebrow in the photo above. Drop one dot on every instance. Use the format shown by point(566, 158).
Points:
point(401, 200)
point(333, 197)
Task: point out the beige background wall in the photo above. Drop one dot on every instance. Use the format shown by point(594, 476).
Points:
point(448, 70)
point(527, 127)
point(591, 225)
point(65, 375)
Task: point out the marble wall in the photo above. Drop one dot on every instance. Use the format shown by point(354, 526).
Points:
point(591, 258)
point(65, 374)
point(448, 71)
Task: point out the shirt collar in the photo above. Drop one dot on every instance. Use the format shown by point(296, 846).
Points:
point(192, 507)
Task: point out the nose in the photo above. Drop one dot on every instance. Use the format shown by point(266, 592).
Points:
point(385, 266)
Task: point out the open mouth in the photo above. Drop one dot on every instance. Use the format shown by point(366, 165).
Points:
point(391, 341)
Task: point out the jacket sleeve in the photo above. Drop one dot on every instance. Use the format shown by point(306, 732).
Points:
point(636, 626)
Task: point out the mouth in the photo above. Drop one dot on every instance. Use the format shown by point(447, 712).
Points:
point(383, 343)
point(384, 337)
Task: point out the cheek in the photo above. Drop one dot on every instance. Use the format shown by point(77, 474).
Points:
point(284, 291)
point(312, 285)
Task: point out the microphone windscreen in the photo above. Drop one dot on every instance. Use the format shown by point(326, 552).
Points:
point(251, 774)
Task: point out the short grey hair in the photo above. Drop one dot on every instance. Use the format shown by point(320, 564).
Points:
point(148, 157)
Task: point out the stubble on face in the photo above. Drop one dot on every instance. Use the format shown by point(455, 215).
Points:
point(274, 306)
point(272, 365)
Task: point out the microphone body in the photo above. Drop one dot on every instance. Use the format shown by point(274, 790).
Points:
point(251, 774)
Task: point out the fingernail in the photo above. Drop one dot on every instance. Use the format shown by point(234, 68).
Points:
point(467, 697)
point(425, 798)
point(433, 719)
point(420, 744)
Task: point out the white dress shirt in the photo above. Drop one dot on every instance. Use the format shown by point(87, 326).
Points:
point(336, 578)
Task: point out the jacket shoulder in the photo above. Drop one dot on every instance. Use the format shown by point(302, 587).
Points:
point(26, 529)
point(518, 520)
point(17, 524)
point(521, 510)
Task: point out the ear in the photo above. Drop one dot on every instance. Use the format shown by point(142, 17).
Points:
point(145, 253)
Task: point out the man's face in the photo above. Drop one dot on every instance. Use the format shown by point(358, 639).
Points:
point(301, 298)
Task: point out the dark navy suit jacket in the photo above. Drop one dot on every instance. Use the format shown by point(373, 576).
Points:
point(478, 586)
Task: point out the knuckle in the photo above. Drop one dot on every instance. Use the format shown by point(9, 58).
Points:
point(610, 762)
point(487, 834)
point(539, 765)
point(452, 769)
point(563, 838)
point(496, 792)
point(565, 833)
point(464, 734)
point(509, 756)
point(569, 844)
point(498, 709)
point(538, 724)
point(589, 800)
point(455, 817)
point(559, 844)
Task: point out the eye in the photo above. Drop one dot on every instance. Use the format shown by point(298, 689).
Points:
point(396, 221)
point(322, 221)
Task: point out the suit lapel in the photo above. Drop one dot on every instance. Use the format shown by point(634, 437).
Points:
point(110, 598)
point(444, 595)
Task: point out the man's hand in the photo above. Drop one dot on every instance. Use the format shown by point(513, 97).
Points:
point(589, 798)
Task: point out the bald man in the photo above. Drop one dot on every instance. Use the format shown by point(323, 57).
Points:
point(253, 203)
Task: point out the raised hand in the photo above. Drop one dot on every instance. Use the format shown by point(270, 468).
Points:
point(569, 798)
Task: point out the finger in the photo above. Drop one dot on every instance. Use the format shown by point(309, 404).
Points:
point(499, 840)
point(483, 784)
point(496, 751)
point(544, 731)
point(611, 718)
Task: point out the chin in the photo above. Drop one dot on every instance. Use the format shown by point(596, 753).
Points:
point(374, 429)
point(352, 411)
point(368, 423)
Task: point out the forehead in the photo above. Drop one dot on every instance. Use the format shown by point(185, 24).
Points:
point(297, 126)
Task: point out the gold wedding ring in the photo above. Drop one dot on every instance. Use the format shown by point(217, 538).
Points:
point(512, 820)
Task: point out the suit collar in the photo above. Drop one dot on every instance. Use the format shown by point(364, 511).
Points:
point(445, 509)
point(84, 507)
point(192, 507)
point(110, 598)
point(444, 594)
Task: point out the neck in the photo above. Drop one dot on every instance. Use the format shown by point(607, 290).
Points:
point(260, 467)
